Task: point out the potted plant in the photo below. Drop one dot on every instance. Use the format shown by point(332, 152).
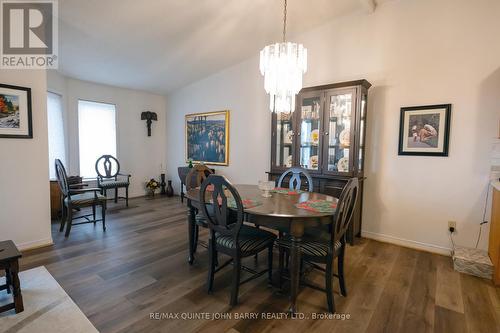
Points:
point(152, 185)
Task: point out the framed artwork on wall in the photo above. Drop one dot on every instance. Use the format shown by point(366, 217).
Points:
point(425, 130)
point(15, 112)
point(207, 137)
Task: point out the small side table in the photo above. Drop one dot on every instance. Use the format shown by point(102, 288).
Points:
point(9, 261)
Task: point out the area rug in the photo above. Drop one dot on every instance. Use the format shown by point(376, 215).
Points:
point(47, 307)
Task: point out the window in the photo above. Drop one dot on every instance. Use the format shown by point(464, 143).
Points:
point(97, 134)
point(57, 146)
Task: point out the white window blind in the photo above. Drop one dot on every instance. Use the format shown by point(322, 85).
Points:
point(97, 134)
point(57, 146)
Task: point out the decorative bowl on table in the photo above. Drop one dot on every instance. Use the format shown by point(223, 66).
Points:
point(266, 186)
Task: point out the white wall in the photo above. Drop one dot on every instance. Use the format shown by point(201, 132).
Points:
point(24, 171)
point(249, 132)
point(139, 155)
point(414, 53)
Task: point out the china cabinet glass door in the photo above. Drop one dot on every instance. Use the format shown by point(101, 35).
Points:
point(311, 113)
point(362, 131)
point(284, 141)
point(339, 130)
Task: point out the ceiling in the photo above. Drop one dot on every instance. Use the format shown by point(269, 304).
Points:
point(162, 45)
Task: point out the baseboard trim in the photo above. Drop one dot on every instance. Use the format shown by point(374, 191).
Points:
point(407, 243)
point(35, 244)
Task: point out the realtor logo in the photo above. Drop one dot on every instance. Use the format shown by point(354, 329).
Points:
point(29, 34)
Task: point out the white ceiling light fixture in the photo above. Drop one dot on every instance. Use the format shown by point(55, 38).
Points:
point(283, 65)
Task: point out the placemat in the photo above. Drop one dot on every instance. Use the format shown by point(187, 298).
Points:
point(318, 206)
point(283, 190)
point(247, 203)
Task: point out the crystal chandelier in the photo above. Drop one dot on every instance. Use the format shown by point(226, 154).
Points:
point(282, 65)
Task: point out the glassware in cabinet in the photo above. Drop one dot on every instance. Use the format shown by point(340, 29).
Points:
point(284, 140)
point(362, 131)
point(340, 112)
point(310, 127)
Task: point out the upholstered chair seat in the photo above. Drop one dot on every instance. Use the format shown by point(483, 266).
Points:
point(311, 247)
point(114, 183)
point(251, 240)
point(85, 199)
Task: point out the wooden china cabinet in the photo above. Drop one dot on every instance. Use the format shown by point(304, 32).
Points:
point(325, 135)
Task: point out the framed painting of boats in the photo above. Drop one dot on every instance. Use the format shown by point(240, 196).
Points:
point(207, 137)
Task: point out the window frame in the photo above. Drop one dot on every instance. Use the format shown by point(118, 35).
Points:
point(64, 116)
point(78, 100)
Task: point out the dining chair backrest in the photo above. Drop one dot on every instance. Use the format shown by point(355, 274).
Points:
point(295, 181)
point(345, 210)
point(62, 177)
point(220, 217)
point(197, 175)
point(107, 166)
point(183, 172)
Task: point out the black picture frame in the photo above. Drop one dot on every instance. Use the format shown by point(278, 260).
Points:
point(425, 151)
point(29, 132)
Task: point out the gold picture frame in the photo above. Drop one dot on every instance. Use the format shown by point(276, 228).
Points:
point(208, 129)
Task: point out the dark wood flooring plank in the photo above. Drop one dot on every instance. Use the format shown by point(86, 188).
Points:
point(389, 312)
point(196, 300)
point(366, 283)
point(446, 320)
point(420, 306)
point(448, 283)
point(495, 301)
point(312, 301)
point(477, 305)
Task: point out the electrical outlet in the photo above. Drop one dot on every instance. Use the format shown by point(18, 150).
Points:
point(452, 224)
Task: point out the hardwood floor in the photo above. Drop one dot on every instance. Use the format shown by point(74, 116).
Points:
point(139, 269)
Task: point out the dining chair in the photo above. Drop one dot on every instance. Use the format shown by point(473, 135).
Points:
point(109, 177)
point(295, 181)
point(74, 183)
point(182, 172)
point(77, 199)
point(325, 247)
point(195, 178)
point(229, 235)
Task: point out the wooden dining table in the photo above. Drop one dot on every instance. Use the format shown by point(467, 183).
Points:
point(277, 212)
